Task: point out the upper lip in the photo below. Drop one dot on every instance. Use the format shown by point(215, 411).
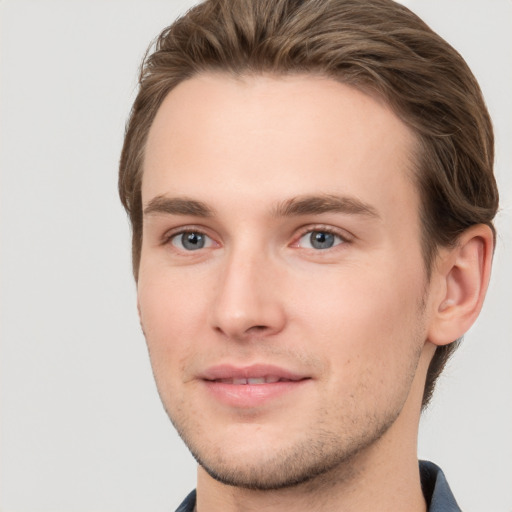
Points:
point(255, 371)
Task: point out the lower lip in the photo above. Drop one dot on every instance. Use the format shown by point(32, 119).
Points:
point(246, 396)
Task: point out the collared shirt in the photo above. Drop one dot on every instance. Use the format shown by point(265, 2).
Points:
point(435, 488)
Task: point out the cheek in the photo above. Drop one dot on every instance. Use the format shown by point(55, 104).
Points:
point(172, 312)
point(370, 313)
point(168, 299)
point(371, 348)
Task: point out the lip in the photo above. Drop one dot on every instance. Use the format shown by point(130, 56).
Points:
point(232, 386)
point(226, 371)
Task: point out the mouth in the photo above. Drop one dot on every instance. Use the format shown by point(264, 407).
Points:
point(250, 375)
point(243, 381)
point(251, 386)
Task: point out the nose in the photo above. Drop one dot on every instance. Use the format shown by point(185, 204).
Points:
point(247, 303)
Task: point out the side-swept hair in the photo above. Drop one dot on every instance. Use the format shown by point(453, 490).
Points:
point(377, 46)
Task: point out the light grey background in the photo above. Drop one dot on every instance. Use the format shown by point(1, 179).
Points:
point(82, 428)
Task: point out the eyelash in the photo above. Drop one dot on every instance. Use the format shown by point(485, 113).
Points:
point(344, 239)
point(170, 236)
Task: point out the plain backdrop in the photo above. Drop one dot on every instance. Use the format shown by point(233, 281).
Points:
point(82, 428)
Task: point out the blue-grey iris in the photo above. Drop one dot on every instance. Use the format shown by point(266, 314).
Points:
point(321, 240)
point(192, 241)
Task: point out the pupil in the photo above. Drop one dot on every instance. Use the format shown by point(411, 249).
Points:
point(192, 241)
point(321, 240)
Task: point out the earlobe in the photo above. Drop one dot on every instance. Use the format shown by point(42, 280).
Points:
point(462, 275)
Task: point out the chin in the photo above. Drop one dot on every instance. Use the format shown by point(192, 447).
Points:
point(279, 471)
point(313, 460)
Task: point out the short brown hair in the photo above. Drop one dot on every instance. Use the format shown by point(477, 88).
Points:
point(377, 46)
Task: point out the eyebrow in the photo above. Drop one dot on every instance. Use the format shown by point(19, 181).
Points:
point(315, 205)
point(177, 206)
point(294, 207)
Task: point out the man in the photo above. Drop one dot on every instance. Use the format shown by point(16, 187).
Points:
point(311, 193)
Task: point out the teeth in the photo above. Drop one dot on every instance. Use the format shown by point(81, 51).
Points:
point(256, 380)
point(252, 380)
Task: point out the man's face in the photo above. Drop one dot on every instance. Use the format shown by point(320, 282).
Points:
point(281, 285)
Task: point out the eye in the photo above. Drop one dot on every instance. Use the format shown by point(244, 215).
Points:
point(319, 240)
point(191, 241)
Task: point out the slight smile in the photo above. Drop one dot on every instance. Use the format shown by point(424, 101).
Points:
point(251, 386)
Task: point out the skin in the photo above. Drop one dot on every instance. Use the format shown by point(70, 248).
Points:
point(238, 162)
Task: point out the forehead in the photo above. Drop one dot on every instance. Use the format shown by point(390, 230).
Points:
point(267, 136)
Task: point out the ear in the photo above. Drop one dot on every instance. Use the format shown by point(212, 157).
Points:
point(460, 279)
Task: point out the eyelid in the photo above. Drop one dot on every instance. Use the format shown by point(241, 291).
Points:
point(168, 236)
point(345, 236)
